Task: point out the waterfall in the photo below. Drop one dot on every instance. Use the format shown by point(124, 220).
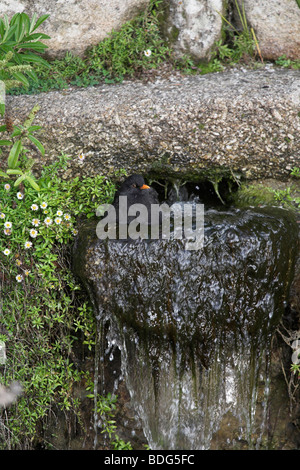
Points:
point(195, 327)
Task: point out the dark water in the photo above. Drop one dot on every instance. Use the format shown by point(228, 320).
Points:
point(194, 327)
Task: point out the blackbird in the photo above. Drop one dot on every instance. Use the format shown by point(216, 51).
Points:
point(137, 192)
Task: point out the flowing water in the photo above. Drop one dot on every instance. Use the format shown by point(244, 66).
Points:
point(194, 327)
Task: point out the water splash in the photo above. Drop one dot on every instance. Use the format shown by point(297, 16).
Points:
point(194, 327)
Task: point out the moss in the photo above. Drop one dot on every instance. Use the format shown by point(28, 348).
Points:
point(253, 195)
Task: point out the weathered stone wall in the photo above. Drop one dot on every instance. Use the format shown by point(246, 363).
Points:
point(245, 122)
point(191, 26)
point(75, 25)
point(277, 26)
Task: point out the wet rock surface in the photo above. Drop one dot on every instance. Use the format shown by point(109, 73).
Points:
point(195, 328)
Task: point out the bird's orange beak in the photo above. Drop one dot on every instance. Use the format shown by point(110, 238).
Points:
point(144, 186)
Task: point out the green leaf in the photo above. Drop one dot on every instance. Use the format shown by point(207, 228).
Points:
point(5, 142)
point(9, 33)
point(17, 131)
point(14, 172)
point(37, 46)
point(3, 175)
point(33, 128)
point(40, 21)
point(3, 128)
point(21, 78)
point(32, 58)
point(19, 180)
point(32, 182)
point(35, 36)
point(14, 154)
point(37, 143)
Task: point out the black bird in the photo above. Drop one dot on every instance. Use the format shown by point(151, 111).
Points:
point(137, 192)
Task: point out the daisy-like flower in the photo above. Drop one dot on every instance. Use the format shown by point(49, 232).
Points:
point(48, 221)
point(59, 213)
point(81, 157)
point(35, 222)
point(2, 215)
point(7, 187)
point(33, 233)
point(7, 231)
point(67, 217)
point(43, 205)
point(147, 53)
point(27, 245)
point(74, 231)
point(18, 262)
point(20, 195)
point(34, 207)
point(26, 272)
point(6, 251)
point(19, 278)
point(8, 225)
point(57, 220)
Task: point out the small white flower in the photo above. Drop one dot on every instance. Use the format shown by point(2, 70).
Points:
point(48, 221)
point(18, 262)
point(7, 187)
point(33, 233)
point(6, 251)
point(43, 205)
point(27, 245)
point(59, 213)
point(57, 220)
point(8, 225)
point(7, 231)
point(26, 272)
point(19, 278)
point(74, 231)
point(34, 207)
point(35, 222)
point(81, 157)
point(20, 195)
point(147, 53)
point(67, 216)
point(2, 216)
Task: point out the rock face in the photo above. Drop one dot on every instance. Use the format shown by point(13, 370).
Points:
point(247, 123)
point(195, 328)
point(193, 26)
point(277, 26)
point(75, 25)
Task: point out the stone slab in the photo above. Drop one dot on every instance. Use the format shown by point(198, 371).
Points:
point(240, 121)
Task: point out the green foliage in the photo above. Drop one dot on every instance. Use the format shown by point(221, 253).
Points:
point(19, 164)
point(44, 313)
point(287, 197)
point(106, 407)
point(20, 44)
point(123, 54)
point(136, 47)
point(282, 61)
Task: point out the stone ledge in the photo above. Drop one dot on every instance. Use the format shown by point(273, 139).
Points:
point(247, 122)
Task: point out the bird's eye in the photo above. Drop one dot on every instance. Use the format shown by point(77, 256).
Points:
point(133, 185)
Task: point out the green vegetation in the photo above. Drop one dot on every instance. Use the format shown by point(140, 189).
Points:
point(19, 44)
point(44, 313)
point(255, 195)
point(139, 46)
point(136, 47)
